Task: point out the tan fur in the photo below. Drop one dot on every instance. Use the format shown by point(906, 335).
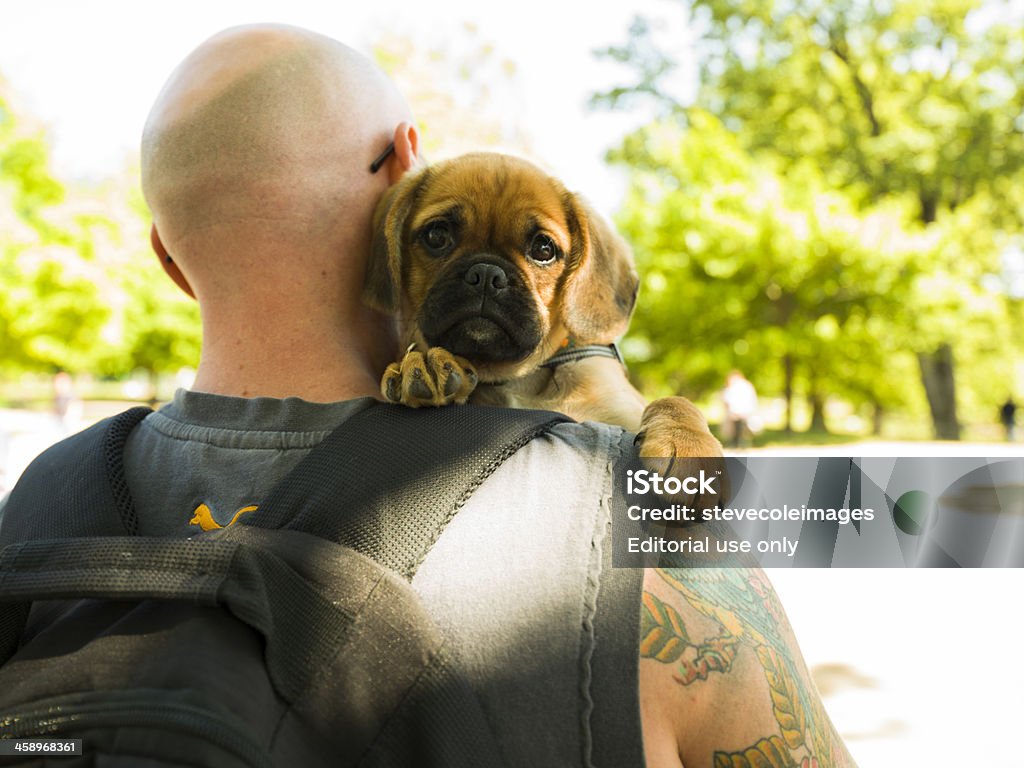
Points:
point(587, 296)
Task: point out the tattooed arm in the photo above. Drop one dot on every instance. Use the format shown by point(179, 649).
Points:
point(722, 681)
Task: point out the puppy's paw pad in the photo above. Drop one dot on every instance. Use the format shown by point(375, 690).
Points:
point(391, 384)
point(453, 382)
point(434, 378)
point(454, 376)
point(418, 387)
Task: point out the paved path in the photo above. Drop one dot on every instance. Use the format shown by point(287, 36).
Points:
point(25, 434)
point(891, 448)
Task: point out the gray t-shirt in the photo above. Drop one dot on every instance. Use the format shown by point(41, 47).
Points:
point(205, 457)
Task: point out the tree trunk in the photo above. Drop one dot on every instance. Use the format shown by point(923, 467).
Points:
point(817, 401)
point(937, 366)
point(939, 388)
point(877, 415)
point(817, 413)
point(787, 369)
point(154, 386)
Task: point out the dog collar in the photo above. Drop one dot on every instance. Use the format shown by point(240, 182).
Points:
point(572, 354)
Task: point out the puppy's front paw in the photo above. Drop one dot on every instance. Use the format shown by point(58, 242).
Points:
point(672, 426)
point(432, 379)
point(675, 441)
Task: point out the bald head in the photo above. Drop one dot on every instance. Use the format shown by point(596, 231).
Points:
point(268, 127)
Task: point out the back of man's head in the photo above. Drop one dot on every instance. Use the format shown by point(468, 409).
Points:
point(258, 145)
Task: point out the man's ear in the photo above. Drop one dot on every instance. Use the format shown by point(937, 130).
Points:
point(407, 158)
point(601, 282)
point(167, 262)
point(383, 287)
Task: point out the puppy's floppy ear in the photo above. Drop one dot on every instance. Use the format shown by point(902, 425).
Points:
point(601, 282)
point(382, 289)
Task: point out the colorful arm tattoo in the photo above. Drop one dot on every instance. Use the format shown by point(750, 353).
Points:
point(746, 608)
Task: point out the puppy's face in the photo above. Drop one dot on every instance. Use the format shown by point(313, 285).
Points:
point(492, 259)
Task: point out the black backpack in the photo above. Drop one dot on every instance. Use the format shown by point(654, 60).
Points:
point(290, 639)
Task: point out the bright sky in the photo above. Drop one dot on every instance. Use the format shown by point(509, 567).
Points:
point(90, 70)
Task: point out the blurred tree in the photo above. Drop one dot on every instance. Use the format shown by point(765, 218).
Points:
point(156, 328)
point(79, 289)
point(160, 328)
point(50, 309)
point(912, 101)
point(783, 275)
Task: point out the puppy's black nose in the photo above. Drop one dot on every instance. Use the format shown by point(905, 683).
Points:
point(487, 278)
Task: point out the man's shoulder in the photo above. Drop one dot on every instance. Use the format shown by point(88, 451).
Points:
point(591, 436)
point(570, 464)
point(573, 449)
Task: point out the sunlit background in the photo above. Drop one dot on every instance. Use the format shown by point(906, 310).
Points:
point(825, 196)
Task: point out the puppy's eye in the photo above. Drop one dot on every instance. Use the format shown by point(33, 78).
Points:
point(438, 236)
point(543, 249)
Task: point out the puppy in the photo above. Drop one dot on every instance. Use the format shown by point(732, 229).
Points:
point(510, 291)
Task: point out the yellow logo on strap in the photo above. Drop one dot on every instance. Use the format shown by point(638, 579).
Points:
point(203, 517)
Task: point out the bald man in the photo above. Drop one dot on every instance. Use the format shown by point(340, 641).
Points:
point(255, 165)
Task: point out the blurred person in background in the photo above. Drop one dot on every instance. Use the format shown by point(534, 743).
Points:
point(66, 405)
point(1008, 418)
point(740, 400)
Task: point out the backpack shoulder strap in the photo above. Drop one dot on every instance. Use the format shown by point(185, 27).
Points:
point(385, 483)
point(76, 487)
point(389, 479)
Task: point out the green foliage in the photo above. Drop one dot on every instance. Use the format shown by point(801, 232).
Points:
point(78, 288)
point(49, 316)
point(24, 160)
point(842, 214)
point(160, 326)
point(913, 97)
point(49, 308)
point(24, 166)
point(744, 266)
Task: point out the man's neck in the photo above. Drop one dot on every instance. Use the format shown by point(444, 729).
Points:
point(260, 354)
